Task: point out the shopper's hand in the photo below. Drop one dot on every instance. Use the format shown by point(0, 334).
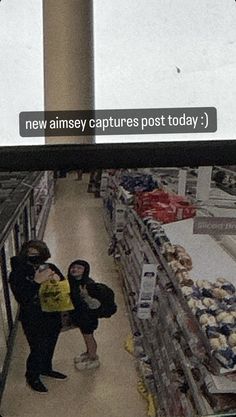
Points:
point(44, 275)
point(55, 277)
point(83, 291)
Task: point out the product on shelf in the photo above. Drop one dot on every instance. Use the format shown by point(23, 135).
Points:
point(232, 340)
point(137, 182)
point(163, 206)
point(212, 303)
point(211, 307)
point(176, 349)
point(176, 253)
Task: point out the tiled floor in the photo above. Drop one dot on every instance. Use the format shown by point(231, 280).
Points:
point(76, 230)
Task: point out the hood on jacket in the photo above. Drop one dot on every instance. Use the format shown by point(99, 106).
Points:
point(16, 261)
point(82, 263)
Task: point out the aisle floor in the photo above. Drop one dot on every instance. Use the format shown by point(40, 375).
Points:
point(75, 229)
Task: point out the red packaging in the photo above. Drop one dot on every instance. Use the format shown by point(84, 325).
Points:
point(160, 195)
point(182, 208)
point(163, 206)
point(165, 216)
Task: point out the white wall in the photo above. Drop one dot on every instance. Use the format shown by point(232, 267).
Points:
point(21, 58)
point(139, 44)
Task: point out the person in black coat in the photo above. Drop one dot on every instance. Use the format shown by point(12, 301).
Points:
point(29, 271)
point(84, 313)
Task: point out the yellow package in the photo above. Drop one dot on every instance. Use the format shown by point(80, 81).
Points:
point(55, 296)
point(129, 344)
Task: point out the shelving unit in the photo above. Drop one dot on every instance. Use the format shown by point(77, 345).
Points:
point(43, 197)
point(25, 200)
point(171, 340)
point(157, 332)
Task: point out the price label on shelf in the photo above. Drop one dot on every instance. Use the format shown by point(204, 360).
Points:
point(104, 184)
point(119, 220)
point(221, 415)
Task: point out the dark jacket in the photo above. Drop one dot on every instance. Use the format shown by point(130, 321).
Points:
point(75, 285)
point(98, 291)
point(26, 290)
point(81, 307)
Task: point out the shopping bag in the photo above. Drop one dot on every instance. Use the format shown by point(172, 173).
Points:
point(55, 296)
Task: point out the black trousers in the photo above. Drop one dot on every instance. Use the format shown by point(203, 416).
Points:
point(42, 338)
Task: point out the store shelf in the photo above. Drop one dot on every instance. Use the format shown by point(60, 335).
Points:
point(172, 338)
point(210, 260)
point(17, 225)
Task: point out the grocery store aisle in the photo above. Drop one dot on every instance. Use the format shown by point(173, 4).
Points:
point(75, 230)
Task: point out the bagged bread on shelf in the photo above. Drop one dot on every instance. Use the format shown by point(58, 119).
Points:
point(208, 302)
point(186, 261)
point(187, 291)
point(176, 266)
point(207, 320)
point(168, 251)
point(225, 285)
point(219, 293)
point(203, 283)
point(232, 340)
point(225, 318)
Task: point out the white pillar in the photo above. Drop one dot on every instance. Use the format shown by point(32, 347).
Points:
point(182, 182)
point(204, 183)
point(68, 59)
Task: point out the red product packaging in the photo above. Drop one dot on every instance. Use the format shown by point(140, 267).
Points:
point(189, 212)
point(163, 206)
point(147, 213)
point(185, 211)
point(165, 216)
point(182, 208)
point(160, 195)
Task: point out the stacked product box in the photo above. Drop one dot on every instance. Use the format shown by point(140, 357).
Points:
point(163, 206)
point(135, 182)
point(118, 188)
point(149, 201)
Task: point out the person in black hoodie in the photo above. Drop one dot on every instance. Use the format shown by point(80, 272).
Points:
point(29, 271)
point(84, 313)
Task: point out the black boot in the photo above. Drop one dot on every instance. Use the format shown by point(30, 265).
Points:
point(55, 374)
point(37, 385)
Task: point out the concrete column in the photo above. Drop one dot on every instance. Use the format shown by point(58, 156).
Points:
point(182, 182)
point(204, 183)
point(68, 59)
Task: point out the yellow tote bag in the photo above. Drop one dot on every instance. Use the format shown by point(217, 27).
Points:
point(55, 296)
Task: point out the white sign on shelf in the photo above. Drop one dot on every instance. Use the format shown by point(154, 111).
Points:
point(182, 179)
point(214, 225)
point(104, 184)
point(147, 289)
point(119, 220)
